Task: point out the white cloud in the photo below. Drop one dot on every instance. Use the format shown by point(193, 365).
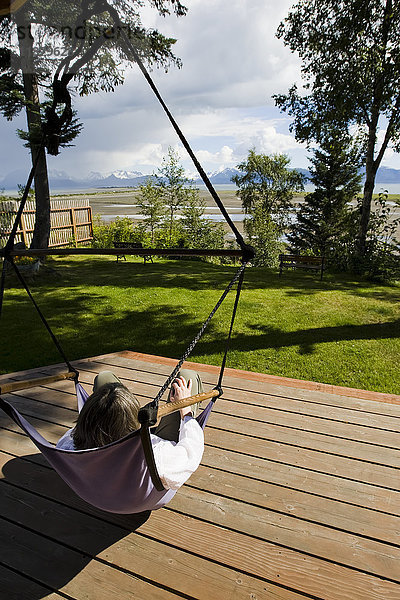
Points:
point(222, 158)
point(232, 64)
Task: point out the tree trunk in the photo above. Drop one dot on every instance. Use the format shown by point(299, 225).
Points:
point(370, 174)
point(41, 232)
point(372, 164)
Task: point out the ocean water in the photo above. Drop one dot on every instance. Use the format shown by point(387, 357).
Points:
point(390, 188)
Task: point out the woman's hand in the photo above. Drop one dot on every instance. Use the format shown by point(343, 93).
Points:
point(179, 390)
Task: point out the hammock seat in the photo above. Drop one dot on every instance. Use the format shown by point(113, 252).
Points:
point(115, 477)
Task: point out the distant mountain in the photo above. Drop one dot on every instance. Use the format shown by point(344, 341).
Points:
point(220, 177)
point(385, 175)
point(305, 172)
point(225, 176)
point(60, 180)
point(115, 180)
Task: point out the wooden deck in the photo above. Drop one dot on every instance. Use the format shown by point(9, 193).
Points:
point(297, 497)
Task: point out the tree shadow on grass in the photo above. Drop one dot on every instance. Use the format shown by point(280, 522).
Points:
point(268, 337)
point(87, 325)
point(167, 331)
point(52, 534)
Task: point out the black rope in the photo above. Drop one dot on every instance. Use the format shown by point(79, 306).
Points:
point(185, 143)
point(10, 242)
point(61, 95)
point(8, 259)
point(3, 283)
point(43, 319)
point(222, 369)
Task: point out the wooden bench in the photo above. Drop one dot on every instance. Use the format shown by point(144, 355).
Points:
point(131, 245)
point(313, 263)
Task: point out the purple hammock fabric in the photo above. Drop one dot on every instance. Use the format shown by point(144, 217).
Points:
point(115, 477)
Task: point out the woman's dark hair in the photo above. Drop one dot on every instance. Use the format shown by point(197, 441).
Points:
point(109, 414)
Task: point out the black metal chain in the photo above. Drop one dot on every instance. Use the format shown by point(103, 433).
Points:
point(193, 343)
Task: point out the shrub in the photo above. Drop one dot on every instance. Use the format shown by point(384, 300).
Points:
point(381, 260)
point(120, 230)
point(264, 235)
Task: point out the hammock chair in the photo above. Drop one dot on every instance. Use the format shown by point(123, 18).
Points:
point(120, 477)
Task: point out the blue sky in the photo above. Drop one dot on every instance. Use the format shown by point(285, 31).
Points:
point(232, 64)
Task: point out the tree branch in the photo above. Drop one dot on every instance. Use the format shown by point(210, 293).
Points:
point(388, 133)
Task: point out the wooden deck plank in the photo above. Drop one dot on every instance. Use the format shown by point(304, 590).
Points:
point(356, 426)
point(380, 500)
point(224, 508)
point(69, 422)
point(291, 532)
point(315, 460)
point(378, 521)
point(297, 497)
point(264, 416)
point(300, 504)
point(322, 510)
point(275, 393)
point(44, 481)
point(140, 371)
point(305, 390)
point(334, 421)
point(253, 556)
point(67, 570)
point(231, 460)
point(15, 586)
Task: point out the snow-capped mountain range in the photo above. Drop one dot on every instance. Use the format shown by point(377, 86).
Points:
point(60, 180)
point(120, 178)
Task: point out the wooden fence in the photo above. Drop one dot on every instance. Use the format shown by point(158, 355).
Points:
point(70, 219)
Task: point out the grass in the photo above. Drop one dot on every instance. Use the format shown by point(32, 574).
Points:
point(339, 331)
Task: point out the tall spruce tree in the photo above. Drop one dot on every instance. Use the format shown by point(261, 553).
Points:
point(323, 217)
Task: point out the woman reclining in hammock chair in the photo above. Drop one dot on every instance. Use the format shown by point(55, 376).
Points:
point(111, 412)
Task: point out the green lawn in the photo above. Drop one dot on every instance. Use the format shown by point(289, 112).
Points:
point(339, 331)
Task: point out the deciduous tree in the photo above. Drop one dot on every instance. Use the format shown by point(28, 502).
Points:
point(174, 187)
point(151, 207)
point(266, 187)
point(350, 56)
point(267, 181)
point(37, 36)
